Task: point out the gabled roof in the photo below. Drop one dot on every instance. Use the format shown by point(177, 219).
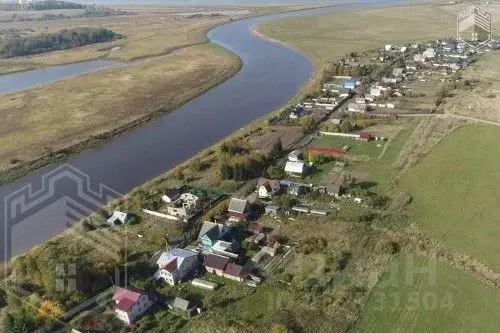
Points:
point(125, 298)
point(175, 255)
point(216, 261)
point(180, 303)
point(333, 188)
point(237, 205)
point(234, 270)
point(295, 167)
point(212, 230)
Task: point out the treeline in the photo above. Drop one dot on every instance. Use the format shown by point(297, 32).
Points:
point(40, 5)
point(90, 11)
point(14, 46)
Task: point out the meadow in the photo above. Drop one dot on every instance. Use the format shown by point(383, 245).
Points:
point(330, 36)
point(443, 300)
point(455, 192)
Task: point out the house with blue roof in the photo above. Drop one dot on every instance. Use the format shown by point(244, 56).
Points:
point(349, 84)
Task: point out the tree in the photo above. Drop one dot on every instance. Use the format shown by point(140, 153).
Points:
point(275, 172)
point(308, 124)
point(50, 310)
point(277, 150)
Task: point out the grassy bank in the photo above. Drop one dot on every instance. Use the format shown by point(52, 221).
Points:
point(91, 109)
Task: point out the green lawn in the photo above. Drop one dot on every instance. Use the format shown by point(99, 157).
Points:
point(356, 147)
point(381, 169)
point(456, 192)
point(453, 302)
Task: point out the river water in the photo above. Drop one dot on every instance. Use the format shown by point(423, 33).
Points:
point(43, 204)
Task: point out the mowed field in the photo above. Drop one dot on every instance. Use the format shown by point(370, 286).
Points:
point(443, 300)
point(60, 114)
point(455, 192)
point(332, 35)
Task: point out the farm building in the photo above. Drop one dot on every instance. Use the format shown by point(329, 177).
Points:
point(295, 169)
point(356, 107)
point(349, 84)
point(333, 189)
point(238, 209)
point(363, 136)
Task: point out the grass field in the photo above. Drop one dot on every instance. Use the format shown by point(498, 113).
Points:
point(332, 35)
point(445, 300)
point(486, 93)
point(455, 192)
point(369, 149)
point(63, 113)
point(381, 170)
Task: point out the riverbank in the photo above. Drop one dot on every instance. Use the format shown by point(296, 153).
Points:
point(232, 66)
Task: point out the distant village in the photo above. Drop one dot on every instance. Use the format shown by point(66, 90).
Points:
point(234, 245)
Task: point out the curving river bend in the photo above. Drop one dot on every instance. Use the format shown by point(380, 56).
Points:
point(35, 208)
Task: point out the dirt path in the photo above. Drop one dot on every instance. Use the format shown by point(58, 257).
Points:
point(449, 115)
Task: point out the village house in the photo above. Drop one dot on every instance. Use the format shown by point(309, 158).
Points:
point(185, 205)
point(130, 304)
point(238, 209)
point(272, 210)
point(295, 169)
point(171, 195)
point(397, 72)
point(119, 218)
point(419, 58)
point(235, 272)
point(360, 100)
point(296, 189)
point(176, 265)
point(356, 107)
point(295, 156)
point(429, 53)
point(376, 92)
point(267, 188)
point(210, 233)
point(363, 136)
point(184, 306)
point(215, 264)
point(349, 84)
point(333, 190)
point(222, 266)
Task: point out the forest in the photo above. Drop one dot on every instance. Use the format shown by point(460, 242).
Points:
point(16, 45)
point(40, 5)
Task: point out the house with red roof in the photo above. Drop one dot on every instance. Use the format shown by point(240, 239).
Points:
point(267, 188)
point(176, 265)
point(222, 266)
point(131, 304)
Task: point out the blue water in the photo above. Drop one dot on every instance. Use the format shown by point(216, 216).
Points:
point(29, 79)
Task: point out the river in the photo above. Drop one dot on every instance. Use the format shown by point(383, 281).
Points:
point(43, 204)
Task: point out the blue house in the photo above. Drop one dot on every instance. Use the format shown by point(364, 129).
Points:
point(349, 84)
point(210, 233)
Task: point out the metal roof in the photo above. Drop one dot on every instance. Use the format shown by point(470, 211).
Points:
point(237, 205)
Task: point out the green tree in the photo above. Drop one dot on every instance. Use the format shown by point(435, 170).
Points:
point(275, 172)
